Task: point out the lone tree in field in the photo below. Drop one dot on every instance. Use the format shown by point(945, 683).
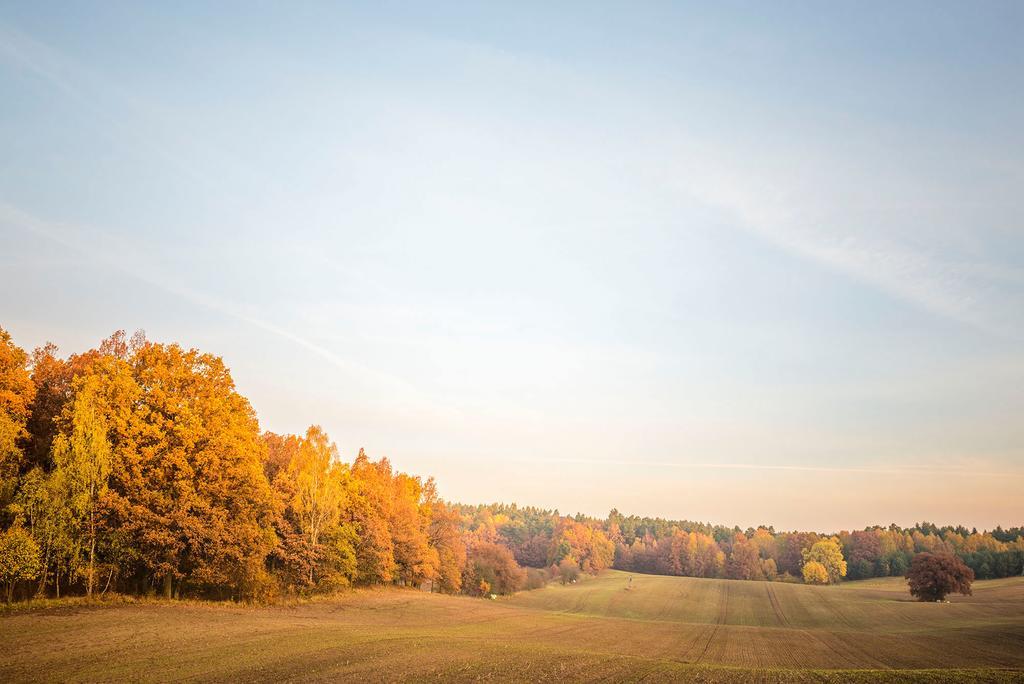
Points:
point(932, 576)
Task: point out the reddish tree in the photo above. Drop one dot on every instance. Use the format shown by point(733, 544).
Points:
point(791, 550)
point(281, 450)
point(863, 550)
point(932, 576)
point(491, 568)
point(52, 378)
point(744, 561)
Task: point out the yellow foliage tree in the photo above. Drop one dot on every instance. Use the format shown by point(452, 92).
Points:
point(319, 484)
point(815, 573)
point(316, 491)
point(19, 558)
point(829, 555)
point(82, 458)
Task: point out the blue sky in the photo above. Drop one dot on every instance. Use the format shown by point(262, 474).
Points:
point(743, 264)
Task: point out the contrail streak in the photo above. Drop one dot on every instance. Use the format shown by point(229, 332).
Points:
point(902, 470)
point(17, 219)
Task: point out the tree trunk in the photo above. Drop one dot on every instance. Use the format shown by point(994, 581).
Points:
point(46, 568)
point(92, 554)
point(168, 586)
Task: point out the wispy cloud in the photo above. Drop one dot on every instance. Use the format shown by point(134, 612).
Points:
point(805, 211)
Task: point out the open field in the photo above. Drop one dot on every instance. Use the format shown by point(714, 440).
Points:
point(657, 628)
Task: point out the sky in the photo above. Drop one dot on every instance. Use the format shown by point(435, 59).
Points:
point(747, 263)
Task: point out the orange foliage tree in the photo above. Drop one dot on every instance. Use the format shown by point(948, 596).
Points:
point(17, 393)
point(585, 544)
point(187, 486)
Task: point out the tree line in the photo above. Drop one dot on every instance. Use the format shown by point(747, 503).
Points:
point(693, 549)
point(137, 467)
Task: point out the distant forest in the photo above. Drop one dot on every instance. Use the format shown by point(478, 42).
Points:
point(136, 467)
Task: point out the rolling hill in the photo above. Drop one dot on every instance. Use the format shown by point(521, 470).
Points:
point(615, 626)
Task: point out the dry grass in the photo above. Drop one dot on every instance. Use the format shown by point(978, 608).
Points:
point(659, 628)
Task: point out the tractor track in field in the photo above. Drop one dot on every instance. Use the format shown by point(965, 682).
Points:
point(849, 651)
point(784, 622)
point(832, 608)
point(723, 612)
point(830, 646)
point(776, 608)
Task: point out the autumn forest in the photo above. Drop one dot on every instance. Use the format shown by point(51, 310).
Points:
point(137, 468)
